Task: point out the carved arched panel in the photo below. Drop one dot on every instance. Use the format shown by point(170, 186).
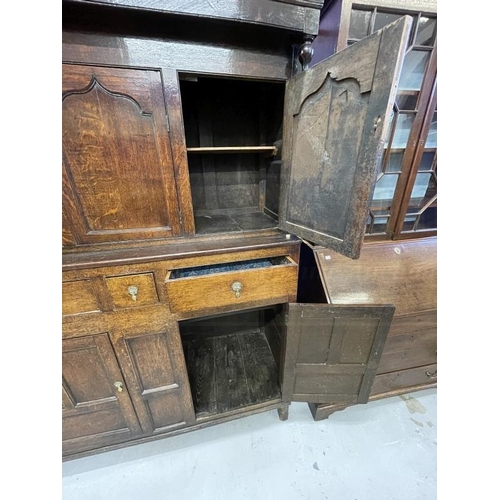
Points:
point(118, 170)
point(336, 116)
point(324, 150)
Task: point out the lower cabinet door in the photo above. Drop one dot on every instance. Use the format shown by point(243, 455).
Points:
point(155, 370)
point(332, 352)
point(96, 406)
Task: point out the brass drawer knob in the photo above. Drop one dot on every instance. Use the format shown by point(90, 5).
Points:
point(119, 386)
point(432, 374)
point(237, 287)
point(133, 291)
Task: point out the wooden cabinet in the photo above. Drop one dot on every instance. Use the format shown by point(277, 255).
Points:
point(188, 179)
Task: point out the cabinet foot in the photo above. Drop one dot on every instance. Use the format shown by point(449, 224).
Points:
point(283, 413)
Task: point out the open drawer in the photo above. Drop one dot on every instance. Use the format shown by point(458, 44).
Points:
point(236, 284)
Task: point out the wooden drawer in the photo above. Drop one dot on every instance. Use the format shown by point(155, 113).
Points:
point(412, 342)
point(78, 297)
point(133, 290)
point(403, 379)
point(240, 284)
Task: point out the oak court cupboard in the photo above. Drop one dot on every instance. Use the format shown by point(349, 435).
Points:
point(207, 170)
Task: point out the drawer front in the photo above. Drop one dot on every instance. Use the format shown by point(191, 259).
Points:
point(403, 379)
point(78, 297)
point(409, 349)
point(245, 288)
point(134, 290)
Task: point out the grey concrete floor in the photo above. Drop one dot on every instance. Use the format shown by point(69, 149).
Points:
point(385, 450)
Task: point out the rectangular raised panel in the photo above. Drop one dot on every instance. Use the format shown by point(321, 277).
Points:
point(110, 420)
point(118, 172)
point(123, 289)
point(333, 352)
point(95, 411)
point(276, 282)
point(78, 297)
point(160, 387)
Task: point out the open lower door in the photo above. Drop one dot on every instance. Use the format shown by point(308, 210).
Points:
point(335, 124)
point(332, 352)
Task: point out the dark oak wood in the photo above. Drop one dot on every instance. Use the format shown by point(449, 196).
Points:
point(414, 377)
point(209, 248)
point(197, 295)
point(403, 274)
point(133, 290)
point(97, 410)
point(156, 375)
point(412, 342)
point(333, 352)
point(298, 15)
point(199, 53)
point(231, 371)
point(78, 297)
point(345, 99)
point(164, 165)
point(115, 134)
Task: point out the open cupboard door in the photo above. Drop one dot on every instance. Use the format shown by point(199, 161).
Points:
point(332, 352)
point(335, 124)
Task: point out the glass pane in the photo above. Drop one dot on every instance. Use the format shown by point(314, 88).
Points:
point(402, 132)
point(409, 223)
point(380, 225)
point(426, 31)
point(431, 141)
point(426, 161)
point(394, 162)
point(382, 19)
point(413, 70)
point(384, 191)
point(360, 22)
point(424, 189)
point(427, 220)
point(380, 220)
point(406, 100)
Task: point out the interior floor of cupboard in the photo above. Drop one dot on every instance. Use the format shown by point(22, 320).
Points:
point(233, 221)
point(232, 371)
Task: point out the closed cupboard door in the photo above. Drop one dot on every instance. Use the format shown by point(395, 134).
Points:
point(155, 370)
point(118, 169)
point(96, 407)
point(333, 352)
point(335, 123)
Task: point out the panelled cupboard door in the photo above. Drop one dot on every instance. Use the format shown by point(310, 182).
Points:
point(335, 123)
point(96, 407)
point(154, 367)
point(118, 170)
point(333, 352)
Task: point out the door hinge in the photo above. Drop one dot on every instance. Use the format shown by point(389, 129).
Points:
point(181, 219)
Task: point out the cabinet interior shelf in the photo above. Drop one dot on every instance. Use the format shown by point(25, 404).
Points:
point(270, 150)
